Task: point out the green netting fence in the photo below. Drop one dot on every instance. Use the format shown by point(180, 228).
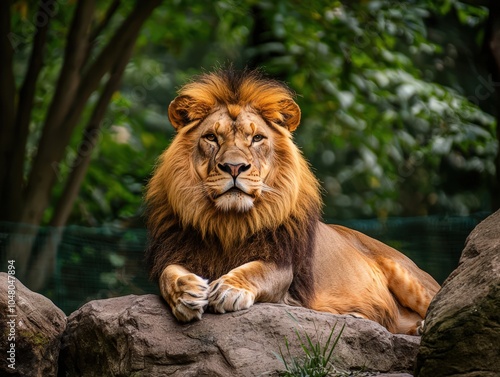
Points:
point(93, 263)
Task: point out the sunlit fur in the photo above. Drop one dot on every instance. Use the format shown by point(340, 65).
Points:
point(273, 247)
point(234, 91)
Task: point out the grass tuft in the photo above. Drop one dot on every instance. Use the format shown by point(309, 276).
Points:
point(317, 360)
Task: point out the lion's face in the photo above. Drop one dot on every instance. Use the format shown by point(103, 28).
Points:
point(232, 169)
point(233, 158)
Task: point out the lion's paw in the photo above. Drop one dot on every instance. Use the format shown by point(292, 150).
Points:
point(190, 297)
point(420, 327)
point(226, 297)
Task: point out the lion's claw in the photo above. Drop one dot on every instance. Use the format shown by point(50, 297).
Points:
point(225, 297)
point(420, 327)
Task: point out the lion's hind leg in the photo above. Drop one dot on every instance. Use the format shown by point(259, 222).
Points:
point(412, 296)
point(409, 322)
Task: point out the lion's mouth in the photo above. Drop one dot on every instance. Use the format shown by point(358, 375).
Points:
point(235, 191)
point(234, 199)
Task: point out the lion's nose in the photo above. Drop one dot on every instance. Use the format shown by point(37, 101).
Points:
point(234, 169)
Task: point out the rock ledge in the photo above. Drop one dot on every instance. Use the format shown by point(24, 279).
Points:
point(137, 335)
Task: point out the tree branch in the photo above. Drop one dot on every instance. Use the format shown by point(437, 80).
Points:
point(126, 33)
point(99, 29)
point(70, 77)
point(89, 141)
point(109, 14)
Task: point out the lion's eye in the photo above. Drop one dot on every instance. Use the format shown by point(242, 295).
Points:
point(257, 138)
point(210, 137)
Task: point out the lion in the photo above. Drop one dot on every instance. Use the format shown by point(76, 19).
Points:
point(234, 216)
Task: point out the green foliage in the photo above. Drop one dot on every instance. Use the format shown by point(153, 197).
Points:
point(122, 162)
point(373, 127)
point(318, 354)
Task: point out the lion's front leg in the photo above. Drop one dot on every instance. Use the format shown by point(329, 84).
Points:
point(252, 282)
point(185, 292)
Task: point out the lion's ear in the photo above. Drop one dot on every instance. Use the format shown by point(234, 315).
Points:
point(284, 112)
point(185, 109)
point(291, 114)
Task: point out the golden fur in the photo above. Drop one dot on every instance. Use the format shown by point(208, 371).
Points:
point(234, 216)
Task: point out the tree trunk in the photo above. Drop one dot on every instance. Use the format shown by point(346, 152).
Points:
point(15, 169)
point(53, 140)
point(7, 107)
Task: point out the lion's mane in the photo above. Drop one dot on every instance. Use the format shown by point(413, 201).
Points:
point(184, 225)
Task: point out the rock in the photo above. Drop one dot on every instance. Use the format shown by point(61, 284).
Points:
point(137, 335)
point(37, 325)
point(462, 329)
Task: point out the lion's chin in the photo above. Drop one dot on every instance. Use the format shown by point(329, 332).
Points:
point(234, 200)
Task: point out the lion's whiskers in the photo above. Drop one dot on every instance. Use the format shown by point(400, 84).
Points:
point(268, 189)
